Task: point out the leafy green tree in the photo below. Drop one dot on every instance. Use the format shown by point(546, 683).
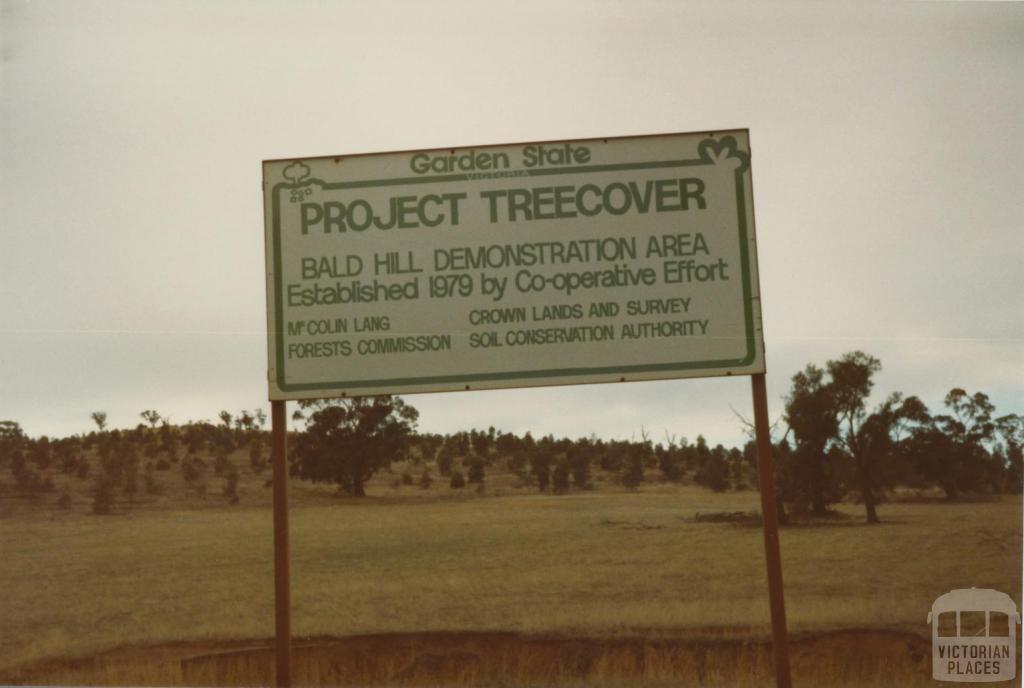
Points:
point(245, 422)
point(346, 441)
point(481, 443)
point(560, 476)
point(850, 386)
point(506, 444)
point(170, 440)
point(671, 461)
point(1011, 430)
point(633, 469)
point(951, 449)
point(129, 460)
point(541, 459)
point(40, 453)
point(446, 456)
point(713, 473)
point(738, 469)
point(12, 440)
point(578, 457)
point(428, 444)
point(878, 444)
point(68, 455)
point(811, 413)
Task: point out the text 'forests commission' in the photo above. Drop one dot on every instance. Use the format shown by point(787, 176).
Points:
point(510, 266)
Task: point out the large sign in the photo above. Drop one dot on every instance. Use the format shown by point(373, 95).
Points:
point(586, 261)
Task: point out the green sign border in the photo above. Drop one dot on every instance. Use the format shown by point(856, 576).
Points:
point(710, 151)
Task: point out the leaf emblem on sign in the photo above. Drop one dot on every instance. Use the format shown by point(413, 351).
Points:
point(719, 151)
point(296, 172)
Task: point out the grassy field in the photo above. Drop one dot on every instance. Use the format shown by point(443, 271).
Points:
point(606, 563)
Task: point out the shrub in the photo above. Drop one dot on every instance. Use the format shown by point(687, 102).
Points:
point(256, 454)
point(579, 466)
point(458, 481)
point(476, 470)
point(230, 489)
point(152, 486)
point(633, 474)
point(426, 480)
point(103, 497)
point(221, 464)
point(714, 474)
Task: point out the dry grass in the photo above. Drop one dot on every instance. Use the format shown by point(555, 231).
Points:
point(75, 585)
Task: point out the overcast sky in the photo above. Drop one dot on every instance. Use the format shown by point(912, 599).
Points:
point(887, 167)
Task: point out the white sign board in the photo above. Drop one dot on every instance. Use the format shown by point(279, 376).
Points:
point(586, 261)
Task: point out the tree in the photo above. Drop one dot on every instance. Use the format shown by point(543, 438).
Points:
point(11, 439)
point(633, 470)
point(670, 459)
point(428, 446)
point(481, 442)
point(951, 449)
point(714, 471)
point(128, 459)
point(878, 444)
point(849, 387)
point(560, 476)
point(579, 463)
point(446, 456)
point(1011, 429)
point(811, 415)
point(245, 421)
point(100, 418)
point(346, 441)
point(151, 417)
point(169, 441)
point(541, 459)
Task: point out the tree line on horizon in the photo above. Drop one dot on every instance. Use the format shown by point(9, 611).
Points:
point(834, 448)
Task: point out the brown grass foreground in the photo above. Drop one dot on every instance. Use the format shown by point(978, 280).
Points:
point(574, 571)
point(859, 657)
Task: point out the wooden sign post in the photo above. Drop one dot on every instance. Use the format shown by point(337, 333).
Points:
point(770, 525)
point(282, 577)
